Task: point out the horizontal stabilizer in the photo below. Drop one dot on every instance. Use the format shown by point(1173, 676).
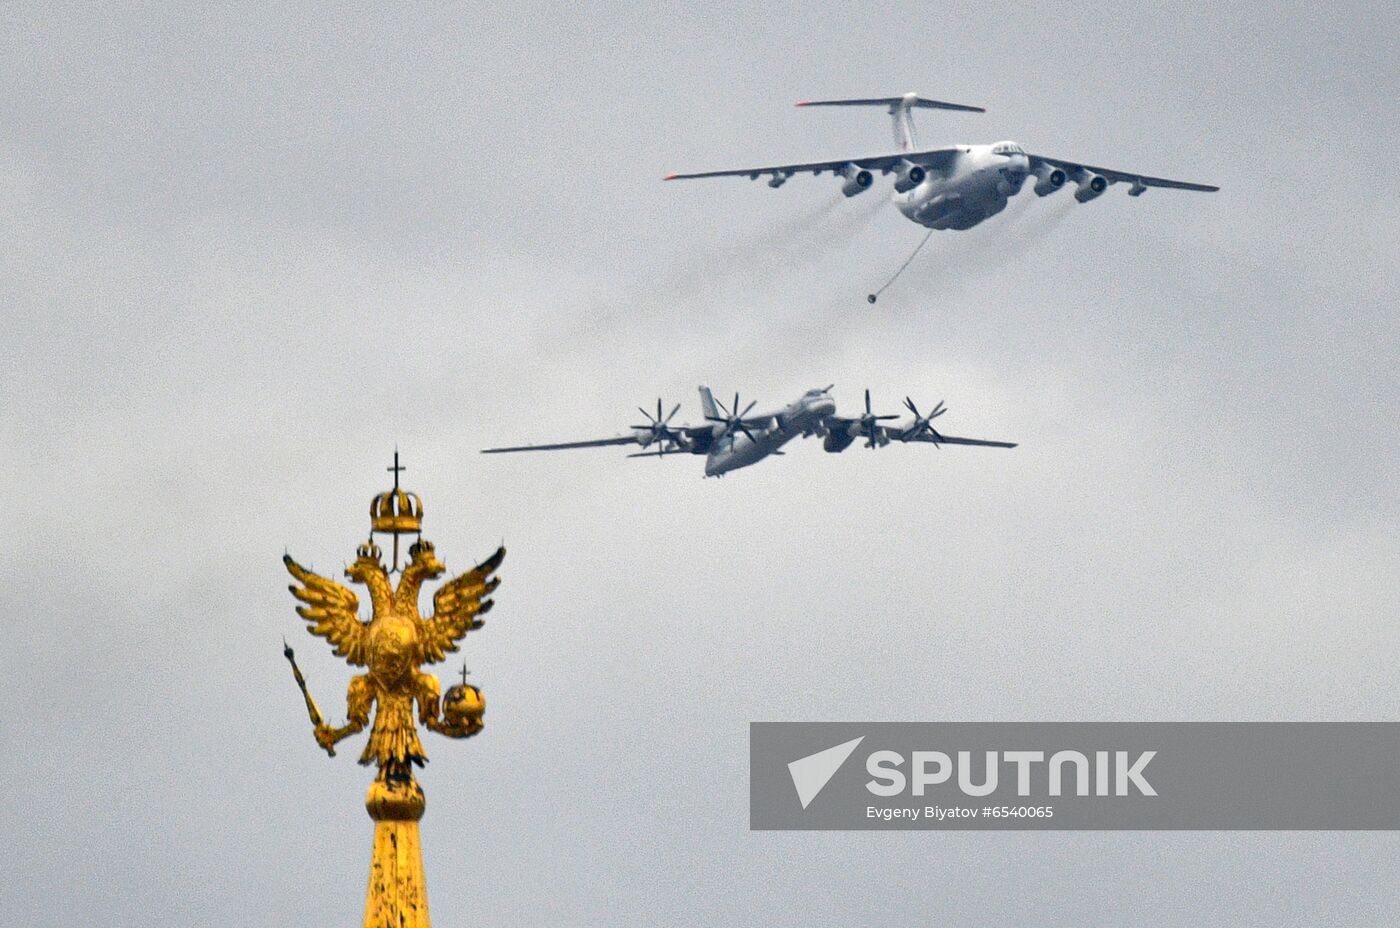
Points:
point(900, 108)
point(908, 101)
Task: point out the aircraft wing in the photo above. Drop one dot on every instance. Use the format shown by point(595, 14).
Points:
point(658, 454)
point(934, 158)
point(591, 443)
point(897, 435)
point(696, 440)
point(1137, 180)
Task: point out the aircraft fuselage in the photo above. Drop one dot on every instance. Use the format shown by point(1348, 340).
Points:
point(734, 450)
point(977, 186)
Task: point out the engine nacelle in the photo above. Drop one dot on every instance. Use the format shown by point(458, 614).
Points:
point(908, 176)
point(777, 180)
point(837, 441)
point(1090, 185)
point(858, 180)
point(1048, 180)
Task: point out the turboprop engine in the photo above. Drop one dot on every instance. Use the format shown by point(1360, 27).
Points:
point(1090, 185)
point(1048, 180)
point(908, 176)
point(858, 180)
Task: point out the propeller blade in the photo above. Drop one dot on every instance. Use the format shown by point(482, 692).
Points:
point(674, 409)
point(746, 409)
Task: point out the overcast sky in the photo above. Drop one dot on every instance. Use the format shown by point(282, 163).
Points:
point(250, 248)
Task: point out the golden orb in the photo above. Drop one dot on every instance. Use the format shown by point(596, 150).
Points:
point(462, 704)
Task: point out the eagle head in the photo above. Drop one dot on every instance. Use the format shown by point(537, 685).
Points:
point(424, 561)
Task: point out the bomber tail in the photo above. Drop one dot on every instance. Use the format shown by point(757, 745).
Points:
point(707, 404)
point(900, 111)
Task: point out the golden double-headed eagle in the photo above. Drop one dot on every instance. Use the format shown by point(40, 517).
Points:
point(393, 645)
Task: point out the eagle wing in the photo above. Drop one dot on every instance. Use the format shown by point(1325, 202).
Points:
point(457, 607)
point(333, 611)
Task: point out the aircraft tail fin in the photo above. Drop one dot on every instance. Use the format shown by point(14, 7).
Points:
point(900, 110)
point(707, 404)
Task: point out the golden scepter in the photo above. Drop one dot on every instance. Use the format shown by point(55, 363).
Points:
point(311, 709)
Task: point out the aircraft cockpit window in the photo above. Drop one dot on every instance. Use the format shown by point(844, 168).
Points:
point(1007, 148)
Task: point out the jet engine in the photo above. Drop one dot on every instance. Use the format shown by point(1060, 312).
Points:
point(1090, 185)
point(908, 176)
point(1048, 180)
point(858, 180)
point(837, 441)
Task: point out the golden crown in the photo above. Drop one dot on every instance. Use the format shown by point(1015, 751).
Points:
point(369, 551)
point(397, 512)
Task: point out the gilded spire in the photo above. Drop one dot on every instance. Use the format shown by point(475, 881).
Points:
point(395, 694)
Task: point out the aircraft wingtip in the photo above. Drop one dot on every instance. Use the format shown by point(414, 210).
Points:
point(671, 176)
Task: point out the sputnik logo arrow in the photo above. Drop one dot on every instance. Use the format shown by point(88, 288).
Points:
point(810, 774)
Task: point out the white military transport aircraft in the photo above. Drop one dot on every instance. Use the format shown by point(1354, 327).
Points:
point(732, 439)
point(957, 186)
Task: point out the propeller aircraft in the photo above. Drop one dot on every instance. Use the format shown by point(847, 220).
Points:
point(734, 436)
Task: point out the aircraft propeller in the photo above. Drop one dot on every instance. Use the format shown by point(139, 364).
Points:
point(734, 422)
point(868, 422)
point(658, 429)
point(920, 425)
